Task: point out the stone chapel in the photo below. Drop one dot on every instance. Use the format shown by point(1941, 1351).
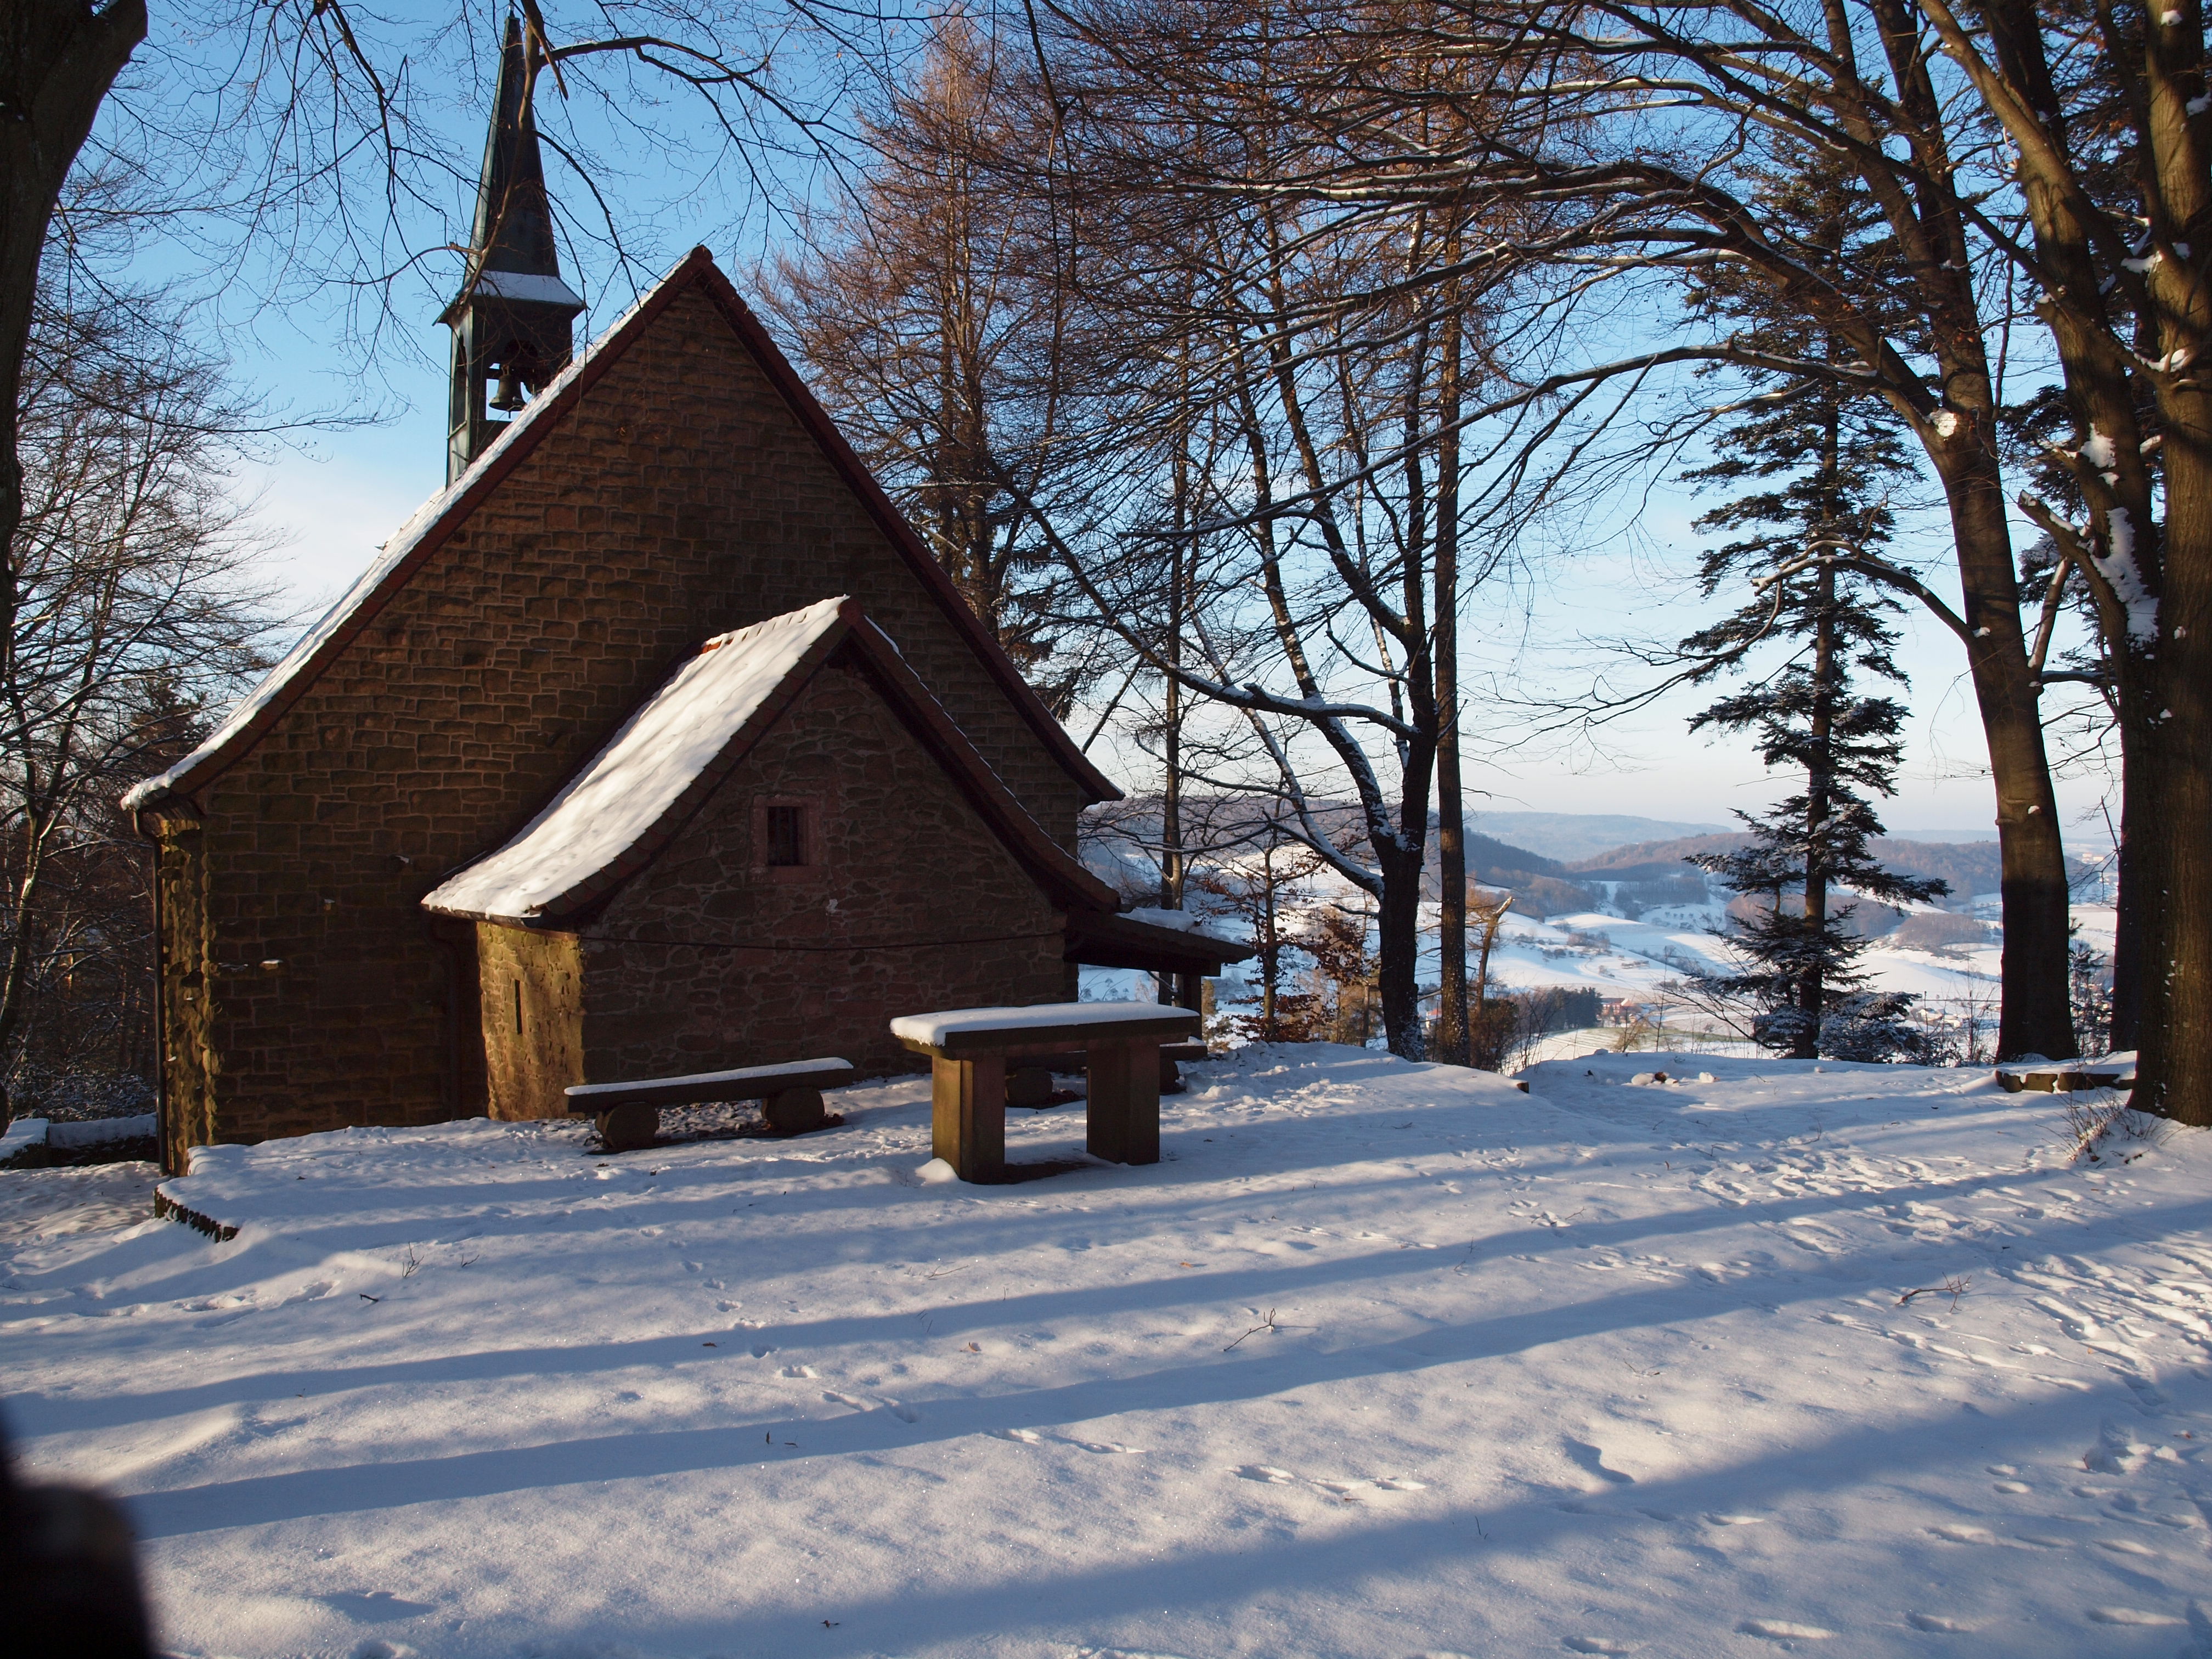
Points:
point(657, 742)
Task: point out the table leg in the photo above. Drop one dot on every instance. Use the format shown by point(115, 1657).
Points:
point(968, 1115)
point(1122, 1115)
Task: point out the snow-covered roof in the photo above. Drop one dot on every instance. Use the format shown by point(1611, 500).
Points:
point(1136, 938)
point(625, 803)
point(437, 518)
point(598, 828)
point(1180, 921)
point(368, 592)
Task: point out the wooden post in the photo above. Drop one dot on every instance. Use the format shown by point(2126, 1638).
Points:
point(1122, 1116)
point(968, 1115)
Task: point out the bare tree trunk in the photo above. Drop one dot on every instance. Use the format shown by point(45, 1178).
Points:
point(57, 61)
point(1452, 1029)
point(1173, 871)
point(1812, 990)
point(2173, 823)
point(2123, 294)
point(2038, 1015)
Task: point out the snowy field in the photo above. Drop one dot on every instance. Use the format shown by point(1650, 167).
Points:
point(1639, 960)
point(1383, 1360)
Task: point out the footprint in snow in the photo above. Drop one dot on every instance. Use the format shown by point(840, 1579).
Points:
point(2130, 1616)
point(1592, 1458)
point(1959, 1534)
point(2124, 1546)
point(1595, 1644)
point(1735, 1520)
point(799, 1371)
point(1032, 1438)
point(1936, 1624)
point(1783, 1630)
point(1264, 1474)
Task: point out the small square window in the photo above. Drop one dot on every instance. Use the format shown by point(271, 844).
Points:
point(786, 838)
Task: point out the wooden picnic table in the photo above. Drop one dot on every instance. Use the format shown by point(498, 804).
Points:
point(969, 1048)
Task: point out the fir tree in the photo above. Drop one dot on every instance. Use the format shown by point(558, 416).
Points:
point(1822, 465)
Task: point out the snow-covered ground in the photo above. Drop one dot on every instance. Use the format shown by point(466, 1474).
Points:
point(1382, 1360)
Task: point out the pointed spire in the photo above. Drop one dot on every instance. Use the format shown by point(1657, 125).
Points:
point(515, 220)
point(512, 318)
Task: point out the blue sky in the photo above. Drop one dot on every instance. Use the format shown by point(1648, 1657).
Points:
point(328, 503)
point(331, 508)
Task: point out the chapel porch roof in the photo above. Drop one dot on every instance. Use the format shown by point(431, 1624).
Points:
point(618, 812)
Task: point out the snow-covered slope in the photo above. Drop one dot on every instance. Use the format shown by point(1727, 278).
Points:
point(1383, 1359)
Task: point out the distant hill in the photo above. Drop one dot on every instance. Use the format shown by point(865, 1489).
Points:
point(1970, 866)
point(1540, 886)
point(1650, 861)
point(1565, 836)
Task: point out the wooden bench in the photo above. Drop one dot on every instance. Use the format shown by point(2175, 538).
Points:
point(2063, 1080)
point(970, 1048)
point(629, 1114)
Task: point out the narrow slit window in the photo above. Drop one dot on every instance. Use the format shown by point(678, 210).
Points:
point(786, 838)
point(518, 1007)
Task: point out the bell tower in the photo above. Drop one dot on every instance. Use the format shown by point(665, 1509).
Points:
point(513, 320)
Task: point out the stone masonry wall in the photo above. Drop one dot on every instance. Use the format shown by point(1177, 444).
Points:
point(678, 500)
point(913, 905)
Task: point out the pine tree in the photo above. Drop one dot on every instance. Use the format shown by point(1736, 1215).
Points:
point(1821, 463)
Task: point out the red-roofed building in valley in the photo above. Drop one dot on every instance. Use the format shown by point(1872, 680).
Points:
point(658, 734)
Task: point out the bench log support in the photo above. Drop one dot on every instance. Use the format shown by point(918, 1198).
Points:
point(1121, 1119)
point(968, 1115)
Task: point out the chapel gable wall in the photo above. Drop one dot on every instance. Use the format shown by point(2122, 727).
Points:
point(678, 499)
point(709, 958)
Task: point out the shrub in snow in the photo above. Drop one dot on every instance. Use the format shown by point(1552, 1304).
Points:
point(1872, 1026)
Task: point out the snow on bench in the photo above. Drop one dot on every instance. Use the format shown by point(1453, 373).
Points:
point(969, 1048)
point(24, 1134)
point(1047, 1025)
point(30, 1140)
point(629, 1114)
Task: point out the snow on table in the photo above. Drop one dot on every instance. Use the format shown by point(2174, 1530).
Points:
point(936, 1029)
point(1381, 1359)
